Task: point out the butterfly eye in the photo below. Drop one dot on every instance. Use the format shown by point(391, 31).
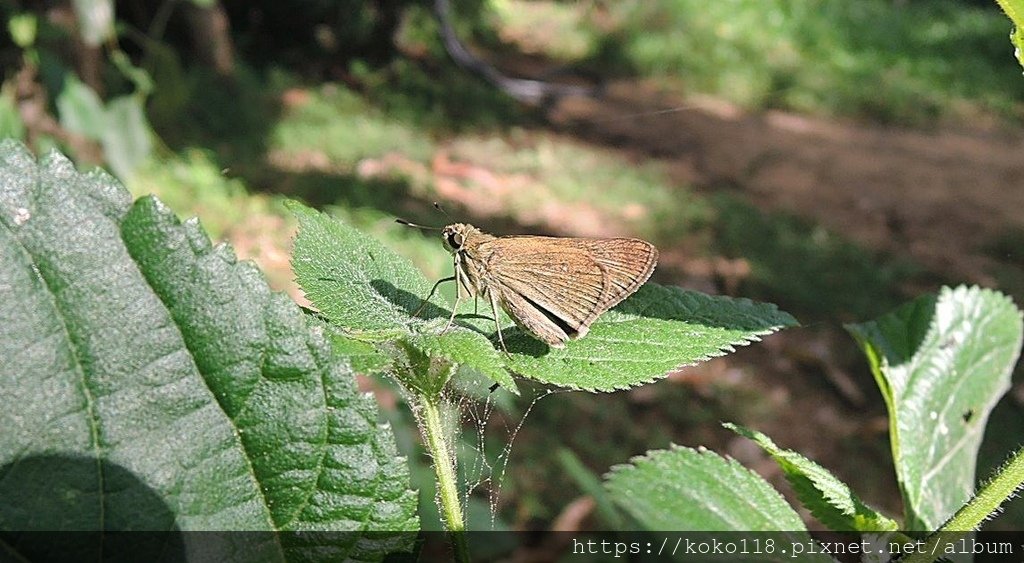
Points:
point(454, 240)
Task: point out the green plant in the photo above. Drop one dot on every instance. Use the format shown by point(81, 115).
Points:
point(908, 62)
point(941, 362)
point(154, 383)
point(1014, 10)
point(367, 296)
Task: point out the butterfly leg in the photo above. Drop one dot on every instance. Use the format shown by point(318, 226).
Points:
point(458, 297)
point(431, 294)
point(497, 325)
point(451, 319)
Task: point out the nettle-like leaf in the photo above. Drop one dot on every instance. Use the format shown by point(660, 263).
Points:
point(942, 363)
point(656, 330)
point(151, 382)
point(830, 500)
point(372, 293)
point(683, 489)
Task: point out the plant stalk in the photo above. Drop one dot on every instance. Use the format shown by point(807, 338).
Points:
point(444, 468)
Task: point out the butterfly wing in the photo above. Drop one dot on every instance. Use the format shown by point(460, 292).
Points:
point(556, 287)
point(627, 264)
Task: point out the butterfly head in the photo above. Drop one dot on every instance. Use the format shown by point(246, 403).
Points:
point(455, 235)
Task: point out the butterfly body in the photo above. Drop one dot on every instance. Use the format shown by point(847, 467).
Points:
point(552, 287)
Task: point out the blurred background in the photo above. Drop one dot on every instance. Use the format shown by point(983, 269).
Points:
point(836, 158)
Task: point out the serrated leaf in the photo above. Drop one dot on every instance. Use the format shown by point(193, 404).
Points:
point(354, 280)
point(1017, 40)
point(656, 330)
point(682, 489)
point(363, 287)
point(942, 364)
point(830, 500)
point(159, 385)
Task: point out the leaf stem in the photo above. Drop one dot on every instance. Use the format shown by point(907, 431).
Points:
point(444, 468)
point(998, 490)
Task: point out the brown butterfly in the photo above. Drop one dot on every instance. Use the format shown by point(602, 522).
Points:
point(552, 287)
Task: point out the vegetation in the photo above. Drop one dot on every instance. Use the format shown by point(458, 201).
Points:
point(160, 334)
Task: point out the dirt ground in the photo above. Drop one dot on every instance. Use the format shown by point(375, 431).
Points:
point(938, 197)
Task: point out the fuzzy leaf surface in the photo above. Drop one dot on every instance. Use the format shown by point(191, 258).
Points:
point(683, 489)
point(942, 363)
point(655, 331)
point(371, 293)
point(154, 383)
point(829, 499)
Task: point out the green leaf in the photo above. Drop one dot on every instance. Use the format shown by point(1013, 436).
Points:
point(1014, 9)
point(120, 126)
point(683, 489)
point(127, 140)
point(370, 292)
point(158, 384)
point(463, 346)
point(941, 363)
point(653, 332)
point(23, 28)
point(830, 500)
point(11, 126)
point(355, 281)
point(364, 357)
point(1017, 39)
point(81, 110)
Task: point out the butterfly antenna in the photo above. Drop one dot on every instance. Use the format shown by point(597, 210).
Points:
point(414, 225)
point(438, 207)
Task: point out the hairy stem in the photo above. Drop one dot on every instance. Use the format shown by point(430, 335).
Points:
point(1003, 485)
point(444, 468)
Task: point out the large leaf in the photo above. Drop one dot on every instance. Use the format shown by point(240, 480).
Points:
point(830, 500)
point(153, 383)
point(372, 293)
point(355, 281)
point(683, 489)
point(653, 332)
point(941, 363)
point(363, 287)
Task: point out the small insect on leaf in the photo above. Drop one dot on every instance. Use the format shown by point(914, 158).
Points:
point(552, 287)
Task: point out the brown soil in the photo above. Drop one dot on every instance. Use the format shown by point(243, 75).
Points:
point(937, 197)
